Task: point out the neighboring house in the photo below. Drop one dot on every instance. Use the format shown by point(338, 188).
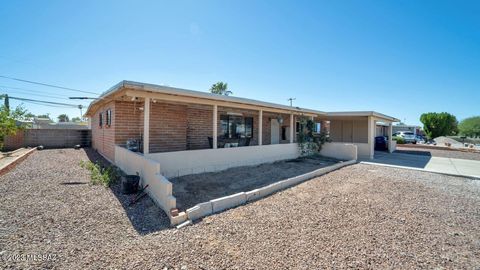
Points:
point(47, 123)
point(185, 132)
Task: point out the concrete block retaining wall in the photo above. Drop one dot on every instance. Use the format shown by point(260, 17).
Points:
point(180, 163)
point(153, 169)
point(159, 188)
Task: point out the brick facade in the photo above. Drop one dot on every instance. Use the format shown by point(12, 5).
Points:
point(103, 137)
point(168, 127)
point(173, 127)
point(199, 126)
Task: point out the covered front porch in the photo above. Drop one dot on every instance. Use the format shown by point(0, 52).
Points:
point(170, 123)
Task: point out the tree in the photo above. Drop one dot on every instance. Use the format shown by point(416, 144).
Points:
point(29, 116)
point(44, 116)
point(76, 119)
point(220, 88)
point(63, 118)
point(470, 127)
point(8, 121)
point(439, 124)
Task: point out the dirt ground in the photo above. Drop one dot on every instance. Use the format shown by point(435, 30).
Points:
point(190, 190)
point(361, 216)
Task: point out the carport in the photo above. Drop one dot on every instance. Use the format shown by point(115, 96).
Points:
point(360, 128)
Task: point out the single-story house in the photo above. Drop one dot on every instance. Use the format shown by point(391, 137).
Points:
point(183, 131)
point(167, 119)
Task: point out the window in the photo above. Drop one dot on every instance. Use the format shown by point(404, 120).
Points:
point(109, 118)
point(317, 128)
point(298, 127)
point(100, 119)
point(236, 126)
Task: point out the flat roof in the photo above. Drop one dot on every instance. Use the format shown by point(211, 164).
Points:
point(362, 113)
point(191, 93)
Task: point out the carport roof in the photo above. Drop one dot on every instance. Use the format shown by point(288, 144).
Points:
point(363, 113)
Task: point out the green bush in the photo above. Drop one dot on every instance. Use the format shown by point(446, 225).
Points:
point(100, 175)
point(400, 140)
point(310, 142)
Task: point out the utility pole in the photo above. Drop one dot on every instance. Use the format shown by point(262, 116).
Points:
point(291, 101)
point(6, 101)
point(81, 114)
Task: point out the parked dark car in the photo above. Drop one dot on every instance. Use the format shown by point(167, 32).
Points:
point(381, 143)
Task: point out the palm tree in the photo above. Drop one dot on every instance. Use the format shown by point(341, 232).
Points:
point(220, 88)
point(63, 118)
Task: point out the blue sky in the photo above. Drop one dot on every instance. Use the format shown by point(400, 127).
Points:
point(401, 58)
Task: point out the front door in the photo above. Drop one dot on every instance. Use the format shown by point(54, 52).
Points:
point(275, 132)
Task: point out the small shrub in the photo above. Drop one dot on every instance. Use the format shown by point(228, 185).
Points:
point(310, 143)
point(399, 140)
point(100, 175)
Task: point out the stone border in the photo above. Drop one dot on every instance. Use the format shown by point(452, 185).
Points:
point(220, 204)
point(8, 167)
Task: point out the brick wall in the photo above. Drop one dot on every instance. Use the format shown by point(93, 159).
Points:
point(14, 142)
point(168, 127)
point(103, 137)
point(48, 138)
point(127, 121)
point(199, 126)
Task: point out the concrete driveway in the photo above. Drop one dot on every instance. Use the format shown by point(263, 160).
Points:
point(426, 162)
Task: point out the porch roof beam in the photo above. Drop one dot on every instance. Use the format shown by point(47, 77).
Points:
point(192, 100)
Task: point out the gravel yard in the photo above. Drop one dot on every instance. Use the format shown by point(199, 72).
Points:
point(361, 216)
point(438, 153)
point(197, 188)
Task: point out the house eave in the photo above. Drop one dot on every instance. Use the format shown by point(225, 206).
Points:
point(166, 90)
point(362, 113)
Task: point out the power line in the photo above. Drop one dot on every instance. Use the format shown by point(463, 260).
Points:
point(45, 102)
point(48, 105)
point(49, 85)
point(29, 91)
point(35, 95)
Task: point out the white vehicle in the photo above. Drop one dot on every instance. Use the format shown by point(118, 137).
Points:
point(408, 136)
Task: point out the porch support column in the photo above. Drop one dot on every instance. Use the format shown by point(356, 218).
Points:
point(260, 127)
point(390, 139)
point(146, 126)
point(214, 124)
point(371, 134)
point(292, 127)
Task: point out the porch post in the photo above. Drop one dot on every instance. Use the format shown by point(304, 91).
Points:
point(146, 126)
point(214, 139)
point(292, 127)
point(260, 127)
point(371, 134)
point(390, 139)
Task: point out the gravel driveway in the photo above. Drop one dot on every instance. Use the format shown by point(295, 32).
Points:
point(361, 216)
